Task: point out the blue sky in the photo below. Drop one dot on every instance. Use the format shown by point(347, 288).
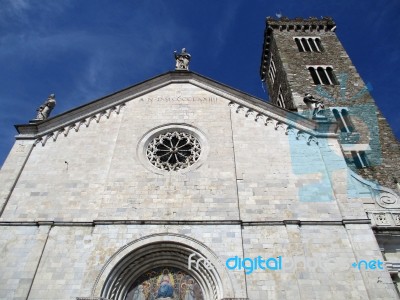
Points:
point(82, 50)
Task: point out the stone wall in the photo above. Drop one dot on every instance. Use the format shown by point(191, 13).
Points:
point(101, 172)
point(316, 260)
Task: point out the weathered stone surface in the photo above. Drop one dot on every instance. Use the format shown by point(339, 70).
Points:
point(85, 212)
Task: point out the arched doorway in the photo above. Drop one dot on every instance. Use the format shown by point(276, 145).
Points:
point(156, 267)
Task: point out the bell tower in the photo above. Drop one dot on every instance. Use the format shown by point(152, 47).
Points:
point(305, 57)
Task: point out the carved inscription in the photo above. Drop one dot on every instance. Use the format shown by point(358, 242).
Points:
point(20, 148)
point(180, 99)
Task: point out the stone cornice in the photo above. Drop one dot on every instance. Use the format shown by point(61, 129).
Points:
point(187, 222)
point(301, 24)
point(104, 107)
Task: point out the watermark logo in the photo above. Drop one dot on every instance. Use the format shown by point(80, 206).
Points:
point(196, 260)
point(343, 79)
point(251, 264)
point(368, 265)
point(204, 261)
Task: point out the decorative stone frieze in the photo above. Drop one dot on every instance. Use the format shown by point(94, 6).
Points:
point(393, 267)
point(77, 125)
point(277, 124)
point(384, 218)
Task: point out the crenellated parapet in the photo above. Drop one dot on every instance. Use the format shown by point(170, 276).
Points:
point(301, 24)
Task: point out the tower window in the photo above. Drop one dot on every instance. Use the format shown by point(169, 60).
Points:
point(322, 75)
point(343, 119)
point(272, 70)
point(346, 118)
point(281, 101)
point(360, 159)
point(308, 44)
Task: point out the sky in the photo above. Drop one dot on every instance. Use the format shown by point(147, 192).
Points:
point(83, 50)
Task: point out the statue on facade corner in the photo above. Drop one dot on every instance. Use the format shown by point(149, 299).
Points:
point(45, 109)
point(315, 105)
point(182, 60)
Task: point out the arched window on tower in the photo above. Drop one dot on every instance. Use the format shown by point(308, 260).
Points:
point(347, 121)
point(314, 48)
point(314, 75)
point(346, 126)
point(331, 75)
point(272, 69)
point(308, 44)
point(299, 45)
point(343, 119)
point(322, 75)
point(339, 120)
point(360, 159)
point(281, 101)
point(305, 45)
point(319, 45)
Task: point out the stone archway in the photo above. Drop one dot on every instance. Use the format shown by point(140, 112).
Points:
point(146, 261)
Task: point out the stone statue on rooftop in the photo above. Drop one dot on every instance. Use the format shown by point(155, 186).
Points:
point(182, 60)
point(315, 105)
point(45, 109)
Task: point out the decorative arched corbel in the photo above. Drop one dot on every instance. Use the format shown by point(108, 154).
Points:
point(312, 138)
point(44, 140)
point(231, 104)
point(288, 128)
point(258, 117)
point(99, 115)
point(239, 108)
point(299, 134)
point(68, 129)
point(268, 120)
point(37, 141)
point(87, 123)
point(108, 112)
point(119, 107)
point(279, 124)
point(79, 124)
point(248, 112)
point(55, 136)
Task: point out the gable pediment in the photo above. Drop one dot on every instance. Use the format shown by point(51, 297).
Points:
point(207, 92)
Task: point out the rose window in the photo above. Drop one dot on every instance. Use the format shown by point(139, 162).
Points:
point(173, 151)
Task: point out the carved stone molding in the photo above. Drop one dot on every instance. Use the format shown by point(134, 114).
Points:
point(383, 196)
point(278, 125)
point(78, 124)
point(152, 251)
point(384, 218)
point(392, 267)
point(386, 199)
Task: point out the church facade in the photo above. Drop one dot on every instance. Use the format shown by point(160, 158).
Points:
point(181, 187)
